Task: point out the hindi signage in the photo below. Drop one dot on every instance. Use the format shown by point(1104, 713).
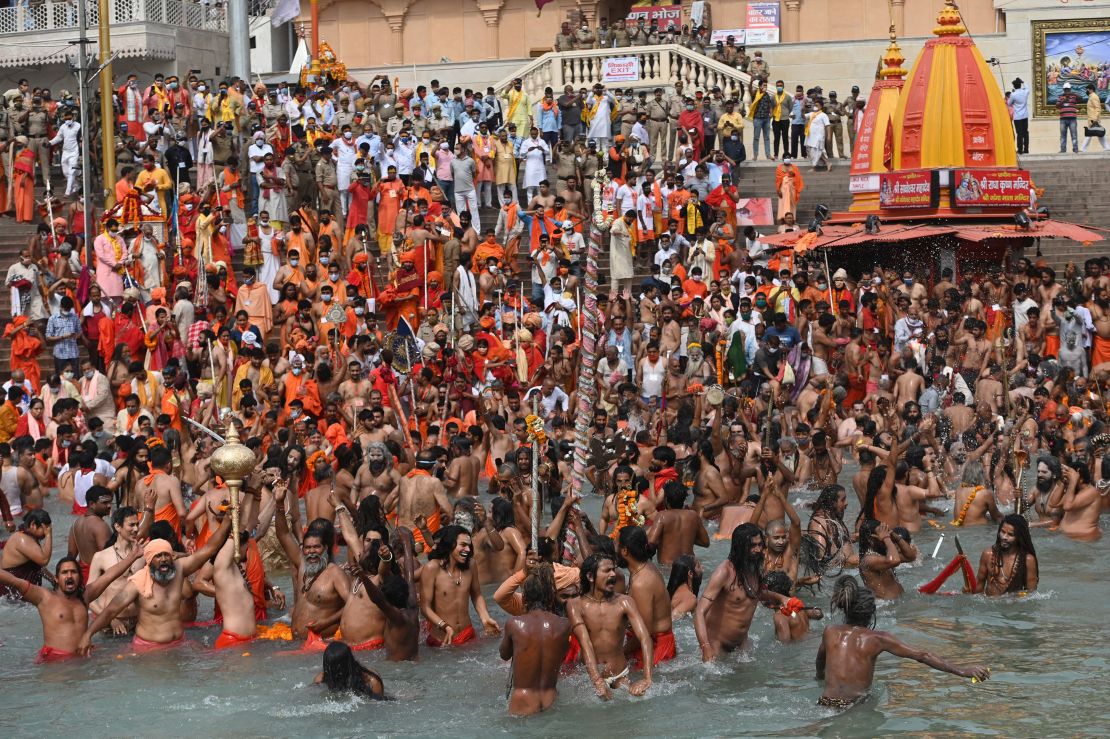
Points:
point(665, 16)
point(910, 189)
point(620, 69)
point(990, 188)
point(763, 23)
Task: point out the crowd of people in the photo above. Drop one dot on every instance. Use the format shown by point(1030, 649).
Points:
point(309, 269)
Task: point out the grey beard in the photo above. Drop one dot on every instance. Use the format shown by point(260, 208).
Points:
point(313, 567)
point(377, 467)
point(163, 576)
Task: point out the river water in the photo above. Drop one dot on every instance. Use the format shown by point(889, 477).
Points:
point(1047, 658)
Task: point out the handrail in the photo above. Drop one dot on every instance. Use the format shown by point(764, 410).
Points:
point(661, 65)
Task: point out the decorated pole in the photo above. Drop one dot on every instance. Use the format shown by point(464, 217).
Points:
point(598, 227)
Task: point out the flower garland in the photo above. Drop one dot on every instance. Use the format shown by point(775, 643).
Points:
point(967, 504)
point(536, 431)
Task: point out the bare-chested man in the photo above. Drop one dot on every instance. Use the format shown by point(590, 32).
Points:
point(1010, 566)
point(496, 564)
point(157, 590)
point(89, 533)
point(649, 592)
point(65, 611)
point(1080, 501)
point(169, 506)
point(377, 476)
point(448, 586)
point(355, 390)
point(463, 469)
point(726, 608)
point(881, 549)
point(421, 494)
point(974, 501)
point(233, 594)
point(847, 655)
point(393, 595)
point(536, 641)
point(676, 529)
point(600, 618)
point(320, 587)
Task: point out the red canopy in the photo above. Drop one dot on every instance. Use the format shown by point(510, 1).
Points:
point(832, 236)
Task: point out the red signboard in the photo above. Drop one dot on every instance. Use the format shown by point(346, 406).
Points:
point(990, 188)
point(910, 189)
point(664, 16)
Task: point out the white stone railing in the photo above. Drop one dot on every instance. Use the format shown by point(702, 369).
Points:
point(60, 15)
point(660, 66)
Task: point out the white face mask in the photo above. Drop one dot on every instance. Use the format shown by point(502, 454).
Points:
point(90, 374)
point(325, 260)
point(294, 262)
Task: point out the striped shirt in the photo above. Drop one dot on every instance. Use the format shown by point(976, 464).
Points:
point(1068, 105)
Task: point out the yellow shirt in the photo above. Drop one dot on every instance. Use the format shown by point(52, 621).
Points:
point(730, 121)
point(162, 184)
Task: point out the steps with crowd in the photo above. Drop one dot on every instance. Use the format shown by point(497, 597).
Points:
point(1073, 192)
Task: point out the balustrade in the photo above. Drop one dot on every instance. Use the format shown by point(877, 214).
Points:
point(62, 14)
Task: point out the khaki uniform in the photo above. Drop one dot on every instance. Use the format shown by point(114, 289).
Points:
point(37, 140)
point(629, 111)
point(849, 120)
point(658, 112)
point(328, 183)
point(621, 39)
point(604, 38)
point(638, 36)
point(675, 103)
point(835, 132)
point(584, 39)
point(564, 42)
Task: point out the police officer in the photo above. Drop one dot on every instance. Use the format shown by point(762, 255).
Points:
point(658, 113)
point(850, 107)
point(835, 110)
point(621, 37)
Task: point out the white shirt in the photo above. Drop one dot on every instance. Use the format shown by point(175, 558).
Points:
point(69, 136)
point(1019, 102)
point(258, 149)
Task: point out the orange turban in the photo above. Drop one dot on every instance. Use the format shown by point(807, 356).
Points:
point(362, 258)
point(409, 256)
point(434, 276)
point(486, 322)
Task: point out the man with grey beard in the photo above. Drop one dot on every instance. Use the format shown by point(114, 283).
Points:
point(377, 477)
point(156, 589)
point(320, 587)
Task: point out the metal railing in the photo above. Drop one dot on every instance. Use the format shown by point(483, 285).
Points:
point(659, 66)
point(53, 15)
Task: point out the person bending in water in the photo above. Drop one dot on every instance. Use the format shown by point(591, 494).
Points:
point(791, 618)
point(65, 610)
point(847, 655)
point(881, 549)
point(600, 618)
point(343, 673)
point(157, 590)
point(1010, 566)
point(725, 611)
point(537, 643)
point(446, 585)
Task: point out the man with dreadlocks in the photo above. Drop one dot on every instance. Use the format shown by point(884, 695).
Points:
point(826, 525)
point(536, 641)
point(1010, 565)
point(447, 586)
point(726, 608)
point(847, 655)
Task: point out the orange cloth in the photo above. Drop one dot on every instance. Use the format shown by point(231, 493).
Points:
point(467, 634)
point(25, 351)
point(142, 579)
point(169, 514)
point(368, 645)
point(1100, 351)
point(664, 649)
point(50, 654)
point(310, 397)
point(23, 178)
point(1051, 346)
point(228, 639)
point(434, 524)
point(314, 642)
point(140, 645)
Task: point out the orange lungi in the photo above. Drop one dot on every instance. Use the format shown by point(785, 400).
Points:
point(1100, 351)
point(467, 634)
point(228, 639)
point(1051, 346)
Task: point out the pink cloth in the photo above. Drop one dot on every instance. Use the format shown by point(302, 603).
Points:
point(110, 281)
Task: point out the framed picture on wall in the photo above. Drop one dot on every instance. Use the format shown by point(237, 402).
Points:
point(1075, 51)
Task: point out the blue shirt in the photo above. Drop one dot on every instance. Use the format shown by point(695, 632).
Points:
point(1019, 101)
point(788, 337)
point(60, 325)
point(797, 116)
point(548, 121)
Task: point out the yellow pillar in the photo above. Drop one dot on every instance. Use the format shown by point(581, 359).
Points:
point(107, 112)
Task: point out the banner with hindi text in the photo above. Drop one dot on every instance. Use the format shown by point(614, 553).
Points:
point(665, 16)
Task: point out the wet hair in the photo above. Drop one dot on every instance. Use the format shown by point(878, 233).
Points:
point(163, 530)
point(973, 473)
point(674, 493)
point(875, 482)
point(683, 568)
point(664, 454)
point(778, 582)
point(446, 539)
point(588, 571)
point(36, 517)
point(344, 673)
point(324, 530)
point(866, 532)
point(742, 537)
point(539, 588)
point(501, 512)
point(634, 539)
point(1022, 540)
point(855, 600)
point(396, 590)
point(826, 501)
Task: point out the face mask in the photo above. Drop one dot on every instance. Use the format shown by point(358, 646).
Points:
point(348, 135)
point(90, 374)
point(325, 298)
point(295, 413)
point(296, 371)
point(907, 282)
point(334, 276)
point(359, 311)
point(294, 262)
point(778, 89)
point(389, 151)
point(264, 221)
point(689, 107)
point(200, 88)
point(761, 304)
point(65, 444)
point(223, 229)
point(113, 232)
point(325, 260)
point(68, 375)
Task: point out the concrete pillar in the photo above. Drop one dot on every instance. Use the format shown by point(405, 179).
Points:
point(898, 13)
point(791, 27)
point(491, 13)
point(394, 12)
